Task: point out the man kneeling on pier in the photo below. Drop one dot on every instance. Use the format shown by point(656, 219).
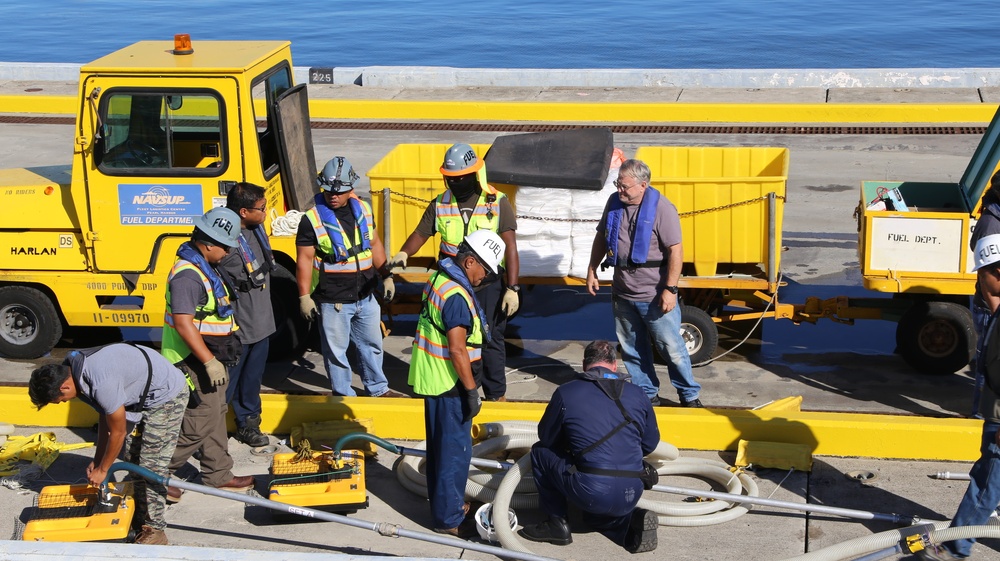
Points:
point(591, 441)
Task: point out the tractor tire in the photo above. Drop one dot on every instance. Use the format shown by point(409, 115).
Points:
point(29, 323)
point(292, 333)
point(937, 337)
point(701, 335)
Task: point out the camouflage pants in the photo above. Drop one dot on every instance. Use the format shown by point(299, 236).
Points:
point(152, 448)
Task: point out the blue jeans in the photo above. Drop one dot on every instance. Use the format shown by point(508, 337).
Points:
point(983, 494)
point(356, 322)
point(243, 392)
point(449, 452)
point(634, 323)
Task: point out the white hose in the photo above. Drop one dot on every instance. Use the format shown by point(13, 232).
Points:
point(859, 546)
point(515, 488)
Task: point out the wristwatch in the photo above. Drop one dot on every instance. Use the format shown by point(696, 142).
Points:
point(671, 289)
point(515, 287)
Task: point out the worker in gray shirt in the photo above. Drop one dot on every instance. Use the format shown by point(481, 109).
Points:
point(249, 268)
point(128, 385)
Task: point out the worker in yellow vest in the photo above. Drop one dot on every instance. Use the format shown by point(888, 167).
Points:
point(451, 333)
point(340, 264)
point(470, 204)
point(199, 337)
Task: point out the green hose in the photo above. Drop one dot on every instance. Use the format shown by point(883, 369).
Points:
point(362, 436)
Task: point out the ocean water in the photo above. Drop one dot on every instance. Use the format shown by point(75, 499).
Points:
point(519, 34)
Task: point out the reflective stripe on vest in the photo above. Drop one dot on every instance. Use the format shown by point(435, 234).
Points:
point(361, 262)
point(431, 369)
point(208, 323)
point(211, 324)
point(451, 227)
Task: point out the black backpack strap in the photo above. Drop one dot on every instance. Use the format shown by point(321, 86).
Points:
point(626, 422)
point(141, 406)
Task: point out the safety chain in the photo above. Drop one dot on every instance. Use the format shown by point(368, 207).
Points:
point(593, 220)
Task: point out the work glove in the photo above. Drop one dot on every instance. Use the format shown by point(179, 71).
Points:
point(307, 307)
point(388, 289)
point(217, 374)
point(511, 302)
point(397, 262)
point(473, 403)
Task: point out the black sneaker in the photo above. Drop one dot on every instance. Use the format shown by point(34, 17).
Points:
point(693, 403)
point(251, 436)
point(655, 400)
point(641, 534)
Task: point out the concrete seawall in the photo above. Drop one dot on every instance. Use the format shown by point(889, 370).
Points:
point(449, 77)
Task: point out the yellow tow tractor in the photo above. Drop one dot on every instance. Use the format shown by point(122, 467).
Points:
point(163, 130)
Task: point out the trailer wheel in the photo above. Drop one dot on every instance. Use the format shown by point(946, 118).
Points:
point(292, 331)
point(937, 337)
point(29, 322)
point(699, 332)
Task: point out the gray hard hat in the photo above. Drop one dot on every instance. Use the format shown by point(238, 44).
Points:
point(221, 225)
point(460, 159)
point(338, 176)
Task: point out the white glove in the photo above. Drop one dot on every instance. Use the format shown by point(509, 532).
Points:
point(388, 289)
point(216, 372)
point(397, 262)
point(510, 302)
point(307, 307)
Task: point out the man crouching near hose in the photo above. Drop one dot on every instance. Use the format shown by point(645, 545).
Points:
point(591, 441)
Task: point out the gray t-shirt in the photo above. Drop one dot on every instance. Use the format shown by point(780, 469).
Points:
point(644, 283)
point(254, 314)
point(115, 376)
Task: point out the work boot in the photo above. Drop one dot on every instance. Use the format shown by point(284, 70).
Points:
point(238, 483)
point(641, 534)
point(466, 530)
point(693, 403)
point(555, 530)
point(391, 393)
point(151, 536)
point(174, 494)
point(936, 553)
point(250, 434)
point(654, 401)
point(501, 399)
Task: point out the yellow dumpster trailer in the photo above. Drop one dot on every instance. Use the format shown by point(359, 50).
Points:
point(163, 131)
point(730, 202)
point(913, 242)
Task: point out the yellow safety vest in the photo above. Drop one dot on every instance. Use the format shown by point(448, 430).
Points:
point(431, 369)
point(209, 324)
point(485, 216)
point(362, 260)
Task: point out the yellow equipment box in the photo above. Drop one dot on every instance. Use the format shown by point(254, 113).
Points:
point(73, 513)
point(720, 193)
point(319, 481)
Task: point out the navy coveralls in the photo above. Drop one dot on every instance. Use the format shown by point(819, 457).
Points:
point(580, 414)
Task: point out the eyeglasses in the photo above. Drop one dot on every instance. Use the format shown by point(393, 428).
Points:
point(621, 186)
point(259, 209)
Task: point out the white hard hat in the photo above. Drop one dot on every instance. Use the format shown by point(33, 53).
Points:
point(488, 246)
point(987, 251)
point(484, 522)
